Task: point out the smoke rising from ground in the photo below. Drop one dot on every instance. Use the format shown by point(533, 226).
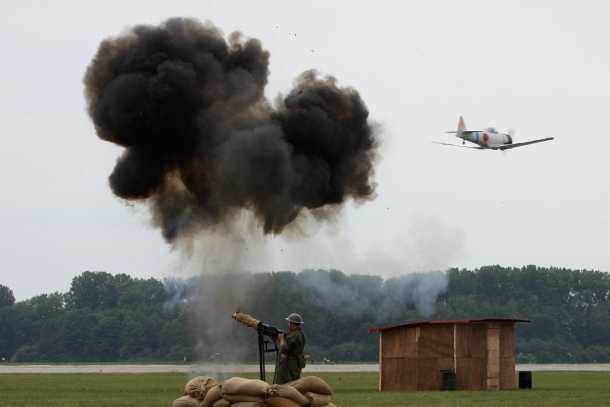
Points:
point(419, 289)
point(223, 171)
point(406, 263)
point(202, 142)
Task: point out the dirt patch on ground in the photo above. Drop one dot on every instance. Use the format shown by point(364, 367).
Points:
point(238, 368)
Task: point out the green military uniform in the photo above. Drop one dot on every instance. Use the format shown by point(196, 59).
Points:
point(288, 368)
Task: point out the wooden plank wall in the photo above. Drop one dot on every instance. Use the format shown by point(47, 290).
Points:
point(507, 356)
point(398, 363)
point(412, 357)
point(435, 354)
point(493, 357)
point(471, 355)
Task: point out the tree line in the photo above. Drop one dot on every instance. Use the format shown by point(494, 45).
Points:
point(117, 318)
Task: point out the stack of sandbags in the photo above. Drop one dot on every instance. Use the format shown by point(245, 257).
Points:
point(244, 392)
point(310, 391)
point(315, 390)
point(199, 386)
point(195, 391)
point(186, 401)
point(284, 395)
point(213, 396)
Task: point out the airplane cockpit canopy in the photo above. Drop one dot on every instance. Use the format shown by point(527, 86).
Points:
point(492, 130)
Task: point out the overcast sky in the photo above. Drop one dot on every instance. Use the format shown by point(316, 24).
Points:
point(541, 67)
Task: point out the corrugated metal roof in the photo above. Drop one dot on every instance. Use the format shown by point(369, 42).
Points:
point(452, 321)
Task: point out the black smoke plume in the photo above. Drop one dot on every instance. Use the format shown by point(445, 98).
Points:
point(201, 140)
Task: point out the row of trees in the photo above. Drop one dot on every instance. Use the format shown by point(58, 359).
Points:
point(102, 318)
point(569, 309)
point(107, 318)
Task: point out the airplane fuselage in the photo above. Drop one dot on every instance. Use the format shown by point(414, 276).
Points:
point(489, 138)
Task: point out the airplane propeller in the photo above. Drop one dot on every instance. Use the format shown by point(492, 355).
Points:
point(511, 134)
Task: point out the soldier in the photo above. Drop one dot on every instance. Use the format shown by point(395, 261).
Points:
point(292, 345)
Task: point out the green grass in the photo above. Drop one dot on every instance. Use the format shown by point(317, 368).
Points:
point(549, 389)
point(563, 389)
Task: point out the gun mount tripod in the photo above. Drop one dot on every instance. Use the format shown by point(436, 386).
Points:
point(262, 330)
point(263, 348)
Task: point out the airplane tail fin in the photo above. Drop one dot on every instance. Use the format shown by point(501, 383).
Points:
point(461, 127)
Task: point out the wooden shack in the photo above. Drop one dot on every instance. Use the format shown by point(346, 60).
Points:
point(481, 353)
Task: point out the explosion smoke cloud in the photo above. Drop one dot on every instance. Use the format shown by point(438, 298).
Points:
point(202, 142)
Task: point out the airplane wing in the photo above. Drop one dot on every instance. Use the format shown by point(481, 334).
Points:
point(507, 146)
point(457, 145)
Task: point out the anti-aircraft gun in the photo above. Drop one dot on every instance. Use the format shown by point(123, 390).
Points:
point(262, 330)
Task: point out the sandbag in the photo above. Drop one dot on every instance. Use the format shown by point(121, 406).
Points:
point(317, 400)
point(242, 398)
point(248, 387)
point(186, 401)
point(222, 403)
point(289, 392)
point(214, 394)
point(249, 404)
point(199, 386)
point(280, 402)
point(311, 384)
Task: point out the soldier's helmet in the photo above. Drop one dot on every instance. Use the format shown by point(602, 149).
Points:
point(295, 318)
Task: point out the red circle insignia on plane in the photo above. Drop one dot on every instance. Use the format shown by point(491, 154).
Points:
point(485, 137)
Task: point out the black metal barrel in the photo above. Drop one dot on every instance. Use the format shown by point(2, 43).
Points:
point(525, 380)
point(449, 380)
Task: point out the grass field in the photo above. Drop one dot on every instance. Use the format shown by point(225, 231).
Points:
point(350, 390)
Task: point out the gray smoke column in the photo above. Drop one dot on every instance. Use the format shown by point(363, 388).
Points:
point(201, 140)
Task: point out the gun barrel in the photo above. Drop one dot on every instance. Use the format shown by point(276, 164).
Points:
point(246, 320)
point(267, 330)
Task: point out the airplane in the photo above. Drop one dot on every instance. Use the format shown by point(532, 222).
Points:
point(488, 139)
